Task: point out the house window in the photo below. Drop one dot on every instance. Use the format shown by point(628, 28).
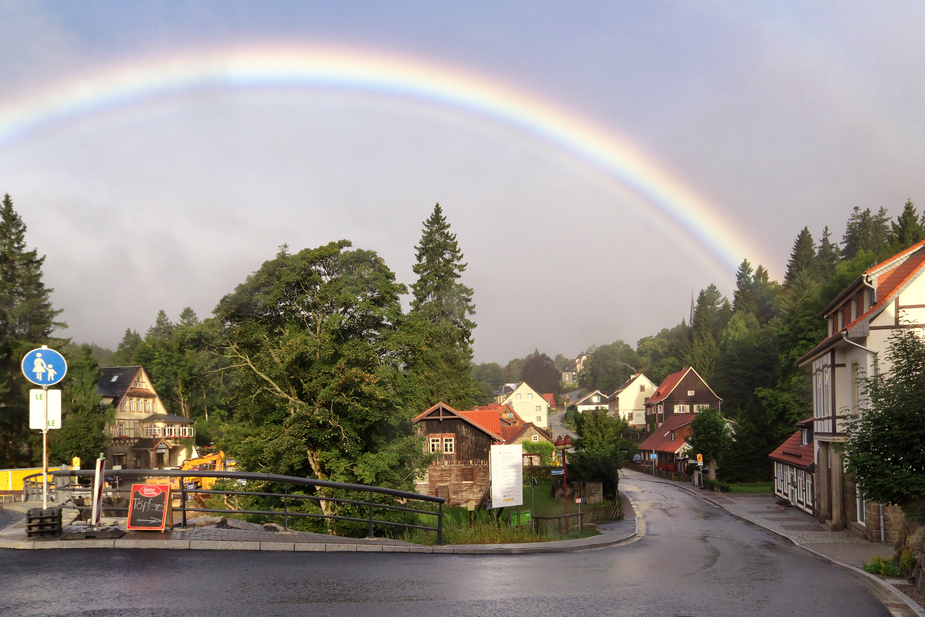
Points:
point(434, 444)
point(122, 405)
point(118, 461)
point(804, 437)
point(131, 404)
point(448, 443)
point(121, 430)
point(539, 419)
point(535, 438)
point(855, 387)
point(672, 435)
point(147, 406)
point(153, 406)
point(699, 408)
point(518, 396)
point(529, 396)
point(642, 388)
point(595, 399)
point(629, 416)
point(690, 393)
point(680, 408)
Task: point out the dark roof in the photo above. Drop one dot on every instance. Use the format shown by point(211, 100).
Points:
point(116, 380)
point(166, 417)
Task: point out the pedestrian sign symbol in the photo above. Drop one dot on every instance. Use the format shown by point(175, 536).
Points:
point(44, 366)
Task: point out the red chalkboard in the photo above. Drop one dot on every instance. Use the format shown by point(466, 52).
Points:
point(149, 507)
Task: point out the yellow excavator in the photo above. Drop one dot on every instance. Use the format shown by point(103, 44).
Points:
point(209, 462)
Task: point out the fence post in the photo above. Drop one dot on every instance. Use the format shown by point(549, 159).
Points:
point(183, 497)
point(440, 524)
point(369, 534)
point(286, 507)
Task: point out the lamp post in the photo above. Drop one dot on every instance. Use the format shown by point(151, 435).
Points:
point(562, 444)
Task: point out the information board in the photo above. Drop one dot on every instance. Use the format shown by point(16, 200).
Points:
point(507, 476)
point(149, 508)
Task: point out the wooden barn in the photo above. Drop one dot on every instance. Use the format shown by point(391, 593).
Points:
point(462, 440)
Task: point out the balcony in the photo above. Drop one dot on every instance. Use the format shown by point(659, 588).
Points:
point(170, 432)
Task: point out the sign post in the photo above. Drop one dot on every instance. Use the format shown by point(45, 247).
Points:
point(44, 367)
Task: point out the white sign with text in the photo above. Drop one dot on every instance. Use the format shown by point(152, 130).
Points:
point(37, 409)
point(507, 476)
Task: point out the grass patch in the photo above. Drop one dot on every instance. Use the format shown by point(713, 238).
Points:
point(752, 487)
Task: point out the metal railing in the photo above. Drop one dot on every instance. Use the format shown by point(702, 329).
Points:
point(66, 493)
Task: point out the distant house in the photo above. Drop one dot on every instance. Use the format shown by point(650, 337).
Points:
point(592, 401)
point(794, 467)
point(859, 322)
point(668, 442)
point(527, 402)
point(144, 435)
point(684, 392)
point(629, 401)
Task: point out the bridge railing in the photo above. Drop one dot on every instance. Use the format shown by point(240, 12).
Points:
point(371, 501)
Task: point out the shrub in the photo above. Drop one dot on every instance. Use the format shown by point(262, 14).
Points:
point(907, 561)
point(717, 484)
point(884, 567)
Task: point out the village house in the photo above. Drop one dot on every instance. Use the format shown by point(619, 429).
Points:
point(629, 401)
point(668, 443)
point(794, 464)
point(592, 401)
point(684, 392)
point(527, 402)
point(144, 435)
point(859, 322)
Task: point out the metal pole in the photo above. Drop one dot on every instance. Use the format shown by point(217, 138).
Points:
point(286, 507)
point(440, 524)
point(45, 450)
point(369, 533)
point(565, 486)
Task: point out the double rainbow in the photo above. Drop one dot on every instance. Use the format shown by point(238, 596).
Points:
point(331, 67)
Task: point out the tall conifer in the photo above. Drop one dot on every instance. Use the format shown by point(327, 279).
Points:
point(442, 306)
point(27, 320)
point(802, 258)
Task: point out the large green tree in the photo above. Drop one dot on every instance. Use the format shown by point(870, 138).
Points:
point(314, 339)
point(802, 258)
point(885, 450)
point(608, 367)
point(541, 374)
point(441, 307)
point(27, 320)
point(600, 450)
point(908, 228)
point(866, 231)
point(710, 437)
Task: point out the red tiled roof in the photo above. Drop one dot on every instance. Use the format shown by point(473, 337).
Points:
point(891, 276)
point(551, 399)
point(660, 440)
point(505, 412)
point(793, 452)
point(489, 420)
point(667, 386)
point(486, 421)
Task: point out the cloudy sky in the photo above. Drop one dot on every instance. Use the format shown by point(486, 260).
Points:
point(599, 161)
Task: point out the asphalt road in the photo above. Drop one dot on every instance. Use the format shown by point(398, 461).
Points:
point(694, 560)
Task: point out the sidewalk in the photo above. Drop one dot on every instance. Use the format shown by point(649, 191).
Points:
point(242, 536)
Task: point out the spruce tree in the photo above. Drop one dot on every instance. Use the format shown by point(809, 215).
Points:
point(908, 229)
point(827, 255)
point(866, 231)
point(802, 258)
point(441, 308)
point(27, 320)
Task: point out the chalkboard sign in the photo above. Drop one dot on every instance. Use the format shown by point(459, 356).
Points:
point(149, 508)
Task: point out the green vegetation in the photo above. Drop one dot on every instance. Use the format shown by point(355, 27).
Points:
point(884, 567)
point(752, 487)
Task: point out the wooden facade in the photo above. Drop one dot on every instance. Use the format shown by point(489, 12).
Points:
point(680, 393)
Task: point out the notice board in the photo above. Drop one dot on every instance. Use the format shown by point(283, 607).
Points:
point(149, 508)
point(506, 464)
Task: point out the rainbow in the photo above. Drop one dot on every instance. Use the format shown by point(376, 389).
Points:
point(622, 163)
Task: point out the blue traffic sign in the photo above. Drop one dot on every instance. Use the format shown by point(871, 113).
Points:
point(555, 472)
point(44, 366)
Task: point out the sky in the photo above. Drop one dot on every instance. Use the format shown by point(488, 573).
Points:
point(599, 162)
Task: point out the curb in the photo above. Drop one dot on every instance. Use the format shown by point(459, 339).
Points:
point(884, 585)
point(558, 546)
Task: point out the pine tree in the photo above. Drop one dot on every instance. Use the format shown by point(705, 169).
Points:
point(866, 232)
point(27, 320)
point(125, 352)
point(908, 229)
point(163, 328)
point(827, 255)
point(440, 311)
point(802, 258)
point(743, 299)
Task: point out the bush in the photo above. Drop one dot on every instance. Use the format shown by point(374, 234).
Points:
point(907, 561)
point(883, 567)
point(717, 484)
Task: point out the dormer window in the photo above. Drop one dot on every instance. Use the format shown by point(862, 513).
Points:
point(114, 378)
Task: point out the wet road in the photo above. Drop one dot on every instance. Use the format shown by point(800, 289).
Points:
point(694, 560)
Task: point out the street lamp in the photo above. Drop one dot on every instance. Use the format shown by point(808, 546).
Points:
point(562, 444)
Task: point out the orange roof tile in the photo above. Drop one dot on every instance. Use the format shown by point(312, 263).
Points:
point(668, 384)
point(487, 419)
point(660, 440)
point(792, 452)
